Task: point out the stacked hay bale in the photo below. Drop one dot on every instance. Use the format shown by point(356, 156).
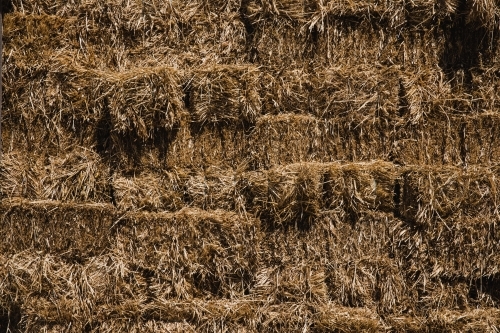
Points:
point(250, 166)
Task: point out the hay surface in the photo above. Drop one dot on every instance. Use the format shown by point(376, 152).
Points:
point(250, 166)
point(73, 230)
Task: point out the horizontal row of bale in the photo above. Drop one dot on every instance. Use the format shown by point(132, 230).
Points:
point(192, 36)
point(282, 196)
point(84, 264)
point(221, 316)
point(313, 12)
point(232, 94)
point(257, 316)
point(335, 114)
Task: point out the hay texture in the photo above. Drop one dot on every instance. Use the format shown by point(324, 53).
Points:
point(77, 176)
point(73, 230)
point(225, 95)
point(250, 166)
point(193, 252)
point(430, 195)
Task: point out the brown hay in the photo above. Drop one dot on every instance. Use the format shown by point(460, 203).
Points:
point(76, 176)
point(284, 195)
point(485, 87)
point(391, 12)
point(143, 99)
point(224, 148)
point(275, 166)
point(455, 248)
point(225, 94)
point(75, 230)
point(437, 139)
point(149, 192)
point(79, 176)
point(197, 32)
point(475, 320)
point(287, 196)
point(481, 140)
point(353, 188)
point(217, 189)
point(333, 92)
point(289, 138)
point(70, 102)
point(63, 8)
point(364, 90)
point(192, 252)
point(483, 13)
point(361, 269)
point(19, 177)
point(427, 92)
point(430, 194)
point(278, 32)
point(291, 284)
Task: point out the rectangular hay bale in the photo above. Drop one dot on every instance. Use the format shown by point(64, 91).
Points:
point(74, 230)
point(192, 252)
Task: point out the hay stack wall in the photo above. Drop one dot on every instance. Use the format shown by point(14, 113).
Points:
point(250, 166)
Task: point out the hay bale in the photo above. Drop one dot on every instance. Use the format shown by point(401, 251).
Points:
point(350, 264)
point(277, 31)
point(483, 13)
point(485, 85)
point(430, 195)
point(225, 148)
point(480, 138)
point(225, 95)
point(426, 92)
point(145, 326)
point(437, 139)
point(288, 138)
point(362, 90)
point(291, 138)
point(192, 252)
point(294, 194)
point(217, 189)
point(286, 91)
point(19, 177)
point(131, 34)
point(458, 248)
point(79, 176)
point(337, 319)
point(72, 101)
point(446, 320)
point(75, 176)
point(75, 230)
point(150, 192)
point(156, 95)
point(391, 13)
point(23, 32)
point(286, 196)
point(333, 92)
point(53, 292)
point(53, 103)
point(356, 187)
point(360, 264)
point(297, 284)
point(366, 40)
